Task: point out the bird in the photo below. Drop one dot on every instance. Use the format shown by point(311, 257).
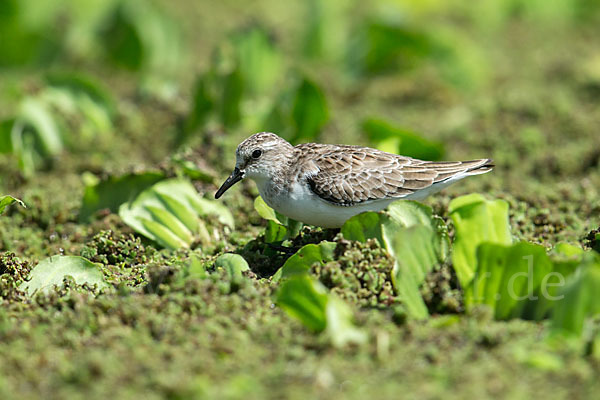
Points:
point(325, 184)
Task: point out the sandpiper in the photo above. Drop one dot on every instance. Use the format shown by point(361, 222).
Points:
point(325, 184)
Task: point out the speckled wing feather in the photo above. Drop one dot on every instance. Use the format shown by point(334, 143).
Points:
point(349, 175)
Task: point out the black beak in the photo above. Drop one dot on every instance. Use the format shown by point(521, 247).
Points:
point(234, 178)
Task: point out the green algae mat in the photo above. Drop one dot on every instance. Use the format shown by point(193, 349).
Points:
point(121, 276)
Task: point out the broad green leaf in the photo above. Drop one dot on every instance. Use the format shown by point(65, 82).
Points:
point(416, 252)
point(96, 119)
point(300, 263)
point(185, 167)
point(234, 264)
point(265, 211)
point(382, 46)
point(231, 98)
point(258, 59)
point(35, 114)
point(169, 213)
point(195, 268)
point(578, 299)
point(203, 104)
point(279, 227)
point(156, 231)
point(6, 127)
point(171, 217)
point(305, 299)
point(210, 207)
point(403, 213)
point(5, 201)
point(184, 214)
point(569, 250)
point(24, 146)
point(340, 327)
point(53, 270)
point(278, 119)
point(78, 83)
point(476, 220)
point(367, 225)
point(413, 236)
point(459, 59)
point(309, 111)
point(564, 265)
point(275, 232)
point(326, 33)
point(410, 213)
point(184, 192)
point(28, 32)
point(408, 143)
point(114, 191)
point(141, 37)
point(293, 227)
point(511, 280)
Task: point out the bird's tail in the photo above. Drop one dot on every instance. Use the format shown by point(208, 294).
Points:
point(479, 166)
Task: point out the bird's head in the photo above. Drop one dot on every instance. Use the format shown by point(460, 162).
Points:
point(258, 158)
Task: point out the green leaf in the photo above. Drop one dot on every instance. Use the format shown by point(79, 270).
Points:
point(185, 167)
point(29, 36)
point(36, 115)
point(78, 83)
point(5, 201)
point(309, 111)
point(384, 135)
point(326, 33)
point(6, 127)
point(367, 225)
point(279, 227)
point(206, 207)
point(305, 299)
point(410, 213)
point(171, 216)
point(340, 327)
point(53, 270)
point(141, 37)
point(265, 211)
point(258, 59)
point(169, 213)
point(158, 232)
point(513, 281)
point(231, 99)
point(275, 232)
point(416, 239)
point(567, 250)
point(382, 46)
point(578, 299)
point(303, 259)
point(195, 268)
point(202, 105)
point(234, 264)
point(415, 251)
point(114, 191)
point(476, 220)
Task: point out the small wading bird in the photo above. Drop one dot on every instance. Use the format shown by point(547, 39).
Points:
point(325, 184)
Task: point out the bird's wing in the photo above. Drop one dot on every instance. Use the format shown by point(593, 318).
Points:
point(348, 175)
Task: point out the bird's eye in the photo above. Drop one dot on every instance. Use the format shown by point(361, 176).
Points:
point(256, 153)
